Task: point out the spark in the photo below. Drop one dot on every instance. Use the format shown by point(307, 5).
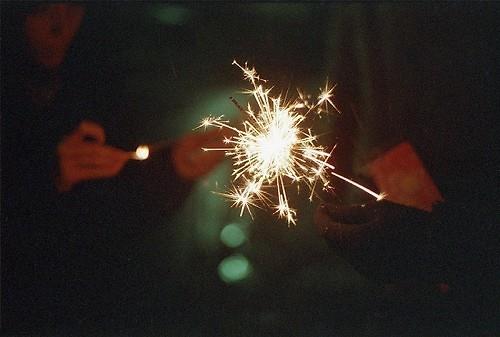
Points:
point(272, 150)
point(325, 98)
point(141, 153)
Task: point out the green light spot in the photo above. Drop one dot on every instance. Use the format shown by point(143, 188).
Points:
point(170, 14)
point(234, 268)
point(232, 236)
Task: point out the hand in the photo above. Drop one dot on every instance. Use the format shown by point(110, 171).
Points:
point(83, 155)
point(189, 158)
point(382, 240)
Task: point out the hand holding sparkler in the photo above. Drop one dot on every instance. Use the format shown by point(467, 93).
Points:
point(83, 156)
point(384, 241)
point(390, 242)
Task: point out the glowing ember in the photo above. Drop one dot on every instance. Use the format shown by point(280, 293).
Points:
point(142, 152)
point(272, 151)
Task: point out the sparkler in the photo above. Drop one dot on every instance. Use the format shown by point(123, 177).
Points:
point(142, 152)
point(273, 150)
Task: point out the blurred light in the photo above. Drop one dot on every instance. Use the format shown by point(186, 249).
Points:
point(234, 268)
point(142, 152)
point(170, 14)
point(232, 236)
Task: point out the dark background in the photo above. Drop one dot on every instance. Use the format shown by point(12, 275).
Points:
point(426, 73)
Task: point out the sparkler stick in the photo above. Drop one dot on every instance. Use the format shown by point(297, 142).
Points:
point(272, 150)
point(242, 110)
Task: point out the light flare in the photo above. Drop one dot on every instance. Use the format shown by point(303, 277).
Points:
point(141, 153)
point(272, 150)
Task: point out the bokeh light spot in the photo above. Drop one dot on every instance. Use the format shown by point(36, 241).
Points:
point(234, 268)
point(233, 236)
point(170, 14)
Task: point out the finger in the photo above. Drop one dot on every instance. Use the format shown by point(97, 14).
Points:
point(85, 149)
point(204, 162)
point(212, 138)
point(92, 131)
point(94, 162)
point(103, 155)
point(95, 169)
point(190, 157)
point(92, 155)
point(195, 163)
point(100, 172)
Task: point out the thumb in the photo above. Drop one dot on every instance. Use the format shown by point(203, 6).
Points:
point(91, 131)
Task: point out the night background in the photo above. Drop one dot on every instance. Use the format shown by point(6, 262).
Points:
point(147, 72)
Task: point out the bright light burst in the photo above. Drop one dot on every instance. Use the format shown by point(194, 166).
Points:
point(272, 150)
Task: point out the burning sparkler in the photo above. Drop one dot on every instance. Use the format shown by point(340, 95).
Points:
point(141, 153)
point(273, 150)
